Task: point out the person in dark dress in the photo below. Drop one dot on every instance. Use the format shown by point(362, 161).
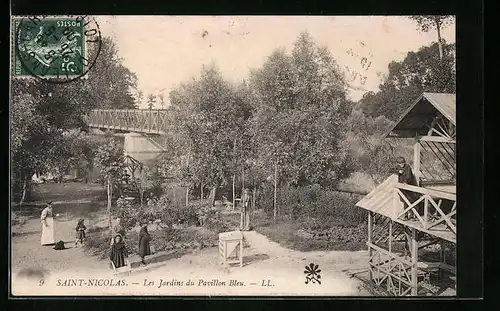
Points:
point(144, 242)
point(405, 176)
point(118, 252)
point(80, 232)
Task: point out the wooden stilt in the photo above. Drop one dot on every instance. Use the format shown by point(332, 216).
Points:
point(414, 261)
point(234, 192)
point(370, 241)
point(416, 161)
point(390, 254)
point(390, 236)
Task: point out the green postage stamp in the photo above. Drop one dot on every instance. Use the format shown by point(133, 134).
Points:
point(56, 49)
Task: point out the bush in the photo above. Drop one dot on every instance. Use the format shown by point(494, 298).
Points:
point(161, 209)
point(327, 206)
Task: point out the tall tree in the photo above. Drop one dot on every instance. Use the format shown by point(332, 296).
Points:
point(114, 85)
point(427, 22)
point(110, 159)
point(209, 114)
point(300, 114)
point(420, 71)
point(43, 113)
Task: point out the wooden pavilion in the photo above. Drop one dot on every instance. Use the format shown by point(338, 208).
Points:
point(413, 257)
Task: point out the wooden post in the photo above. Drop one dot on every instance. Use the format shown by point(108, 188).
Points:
point(275, 190)
point(110, 194)
point(390, 239)
point(234, 193)
point(370, 276)
point(426, 212)
point(243, 179)
point(414, 262)
point(416, 162)
point(254, 192)
point(396, 203)
point(390, 255)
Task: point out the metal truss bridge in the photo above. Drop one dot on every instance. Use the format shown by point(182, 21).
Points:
point(147, 121)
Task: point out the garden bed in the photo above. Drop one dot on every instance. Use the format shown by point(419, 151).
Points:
point(185, 239)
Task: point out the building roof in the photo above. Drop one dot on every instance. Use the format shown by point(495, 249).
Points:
point(380, 199)
point(427, 106)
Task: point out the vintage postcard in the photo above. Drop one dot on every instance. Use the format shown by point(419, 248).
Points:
point(233, 156)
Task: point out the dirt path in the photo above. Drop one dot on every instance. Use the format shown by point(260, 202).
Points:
point(267, 263)
point(70, 202)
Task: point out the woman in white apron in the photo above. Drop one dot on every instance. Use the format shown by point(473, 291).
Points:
point(47, 220)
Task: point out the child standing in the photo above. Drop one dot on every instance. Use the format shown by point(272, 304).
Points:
point(80, 232)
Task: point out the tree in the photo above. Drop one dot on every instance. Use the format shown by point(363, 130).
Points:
point(427, 22)
point(300, 111)
point(373, 153)
point(208, 114)
point(113, 85)
point(162, 102)
point(110, 160)
point(42, 114)
point(151, 101)
point(419, 72)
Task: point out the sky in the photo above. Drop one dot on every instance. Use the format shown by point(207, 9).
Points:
point(164, 51)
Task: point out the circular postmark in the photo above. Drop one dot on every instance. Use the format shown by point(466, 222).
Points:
point(56, 49)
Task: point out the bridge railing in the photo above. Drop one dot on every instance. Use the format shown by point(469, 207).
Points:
point(134, 120)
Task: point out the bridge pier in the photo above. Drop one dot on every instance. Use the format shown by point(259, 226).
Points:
point(142, 148)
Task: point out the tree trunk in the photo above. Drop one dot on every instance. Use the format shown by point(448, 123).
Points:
point(110, 193)
point(23, 196)
point(187, 167)
point(440, 45)
point(254, 193)
point(275, 190)
point(201, 194)
point(243, 179)
point(234, 193)
point(212, 195)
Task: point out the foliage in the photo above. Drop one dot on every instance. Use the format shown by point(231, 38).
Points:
point(313, 201)
point(208, 116)
point(147, 182)
point(427, 22)
point(43, 115)
point(211, 219)
point(113, 85)
point(151, 101)
point(111, 160)
point(300, 111)
point(419, 72)
point(374, 153)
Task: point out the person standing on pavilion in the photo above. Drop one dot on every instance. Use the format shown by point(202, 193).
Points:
point(406, 176)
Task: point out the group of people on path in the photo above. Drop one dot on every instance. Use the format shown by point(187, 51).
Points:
point(49, 231)
point(118, 251)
